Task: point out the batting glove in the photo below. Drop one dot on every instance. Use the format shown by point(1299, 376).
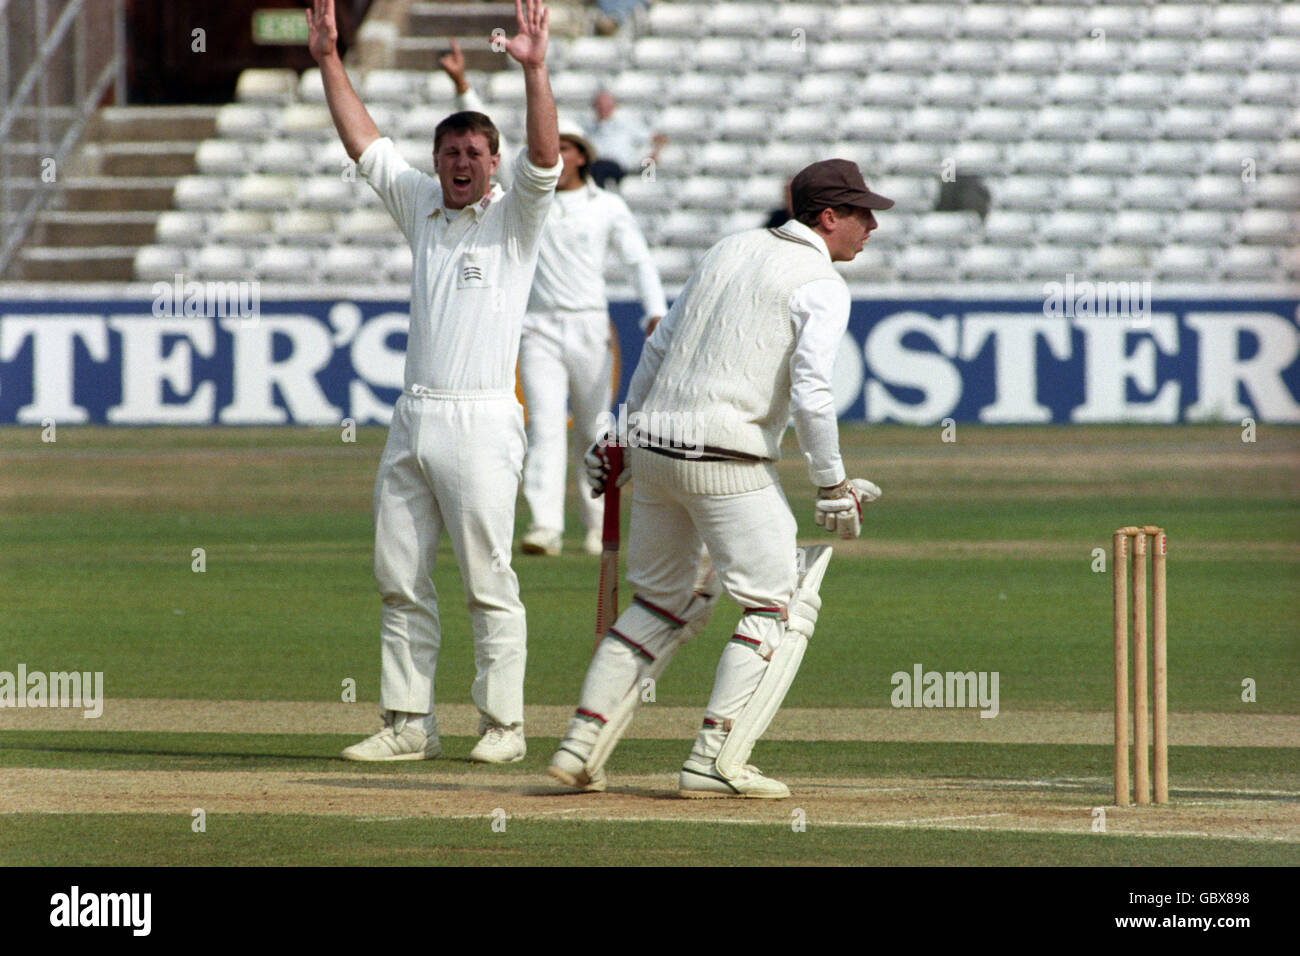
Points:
point(597, 461)
point(839, 509)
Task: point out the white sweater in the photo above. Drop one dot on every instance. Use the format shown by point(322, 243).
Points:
point(720, 386)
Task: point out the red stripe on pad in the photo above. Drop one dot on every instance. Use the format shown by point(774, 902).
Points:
point(656, 609)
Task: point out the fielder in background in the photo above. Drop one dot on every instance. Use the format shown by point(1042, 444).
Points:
point(566, 355)
point(750, 342)
point(455, 444)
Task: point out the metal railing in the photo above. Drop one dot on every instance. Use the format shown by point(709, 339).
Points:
point(58, 58)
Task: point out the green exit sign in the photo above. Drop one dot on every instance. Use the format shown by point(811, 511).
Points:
point(280, 27)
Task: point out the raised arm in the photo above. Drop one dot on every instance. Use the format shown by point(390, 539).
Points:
point(529, 48)
point(356, 129)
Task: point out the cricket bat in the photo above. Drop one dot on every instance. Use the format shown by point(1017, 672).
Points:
point(607, 596)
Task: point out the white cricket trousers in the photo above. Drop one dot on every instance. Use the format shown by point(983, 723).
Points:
point(565, 362)
point(451, 463)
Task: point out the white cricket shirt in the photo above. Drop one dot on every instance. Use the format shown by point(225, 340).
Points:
point(472, 269)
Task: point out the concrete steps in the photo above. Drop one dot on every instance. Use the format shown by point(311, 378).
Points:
point(110, 192)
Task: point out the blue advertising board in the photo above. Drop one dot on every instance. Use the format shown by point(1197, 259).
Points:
point(220, 356)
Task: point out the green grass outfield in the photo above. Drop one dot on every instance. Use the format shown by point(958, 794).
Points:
point(980, 556)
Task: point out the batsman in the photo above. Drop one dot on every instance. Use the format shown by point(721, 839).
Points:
point(749, 344)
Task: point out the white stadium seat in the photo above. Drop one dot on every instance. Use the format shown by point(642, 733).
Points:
point(1281, 53)
point(756, 89)
point(1083, 191)
point(505, 87)
point(1202, 227)
point(808, 17)
point(1240, 19)
point(367, 227)
point(266, 86)
point(1250, 121)
point(674, 264)
point(887, 89)
point(1116, 21)
point(933, 123)
point(215, 261)
point(1058, 22)
point(256, 191)
point(1099, 54)
point(910, 55)
point(576, 87)
point(977, 56)
point(281, 156)
point(721, 55)
point(924, 265)
point(871, 123)
point(158, 262)
point(833, 88)
point(1224, 54)
point(809, 123)
point(1141, 89)
point(782, 55)
point(1034, 56)
point(1075, 89)
point(176, 228)
point(707, 192)
point(396, 263)
point(1124, 122)
point(732, 159)
point(661, 53)
point(912, 194)
point(910, 156)
point(1190, 122)
point(684, 227)
point(306, 120)
point(1291, 263)
point(1217, 191)
point(1009, 227)
point(987, 20)
point(1205, 89)
point(1139, 226)
point(920, 19)
point(1164, 156)
point(399, 87)
point(948, 228)
point(1065, 122)
point(331, 158)
point(217, 157)
point(1288, 20)
point(243, 227)
point(1276, 88)
point(597, 53)
point(995, 263)
point(242, 121)
point(1183, 262)
point(641, 193)
point(285, 264)
point(1227, 155)
point(1053, 262)
point(1074, 227)
point(677, 19)
point(1250, 262)
point(869, 265)
point(1155, 192)
point(1285, 157)
point(695, 88)
point(784, 159)
point(1012, 89)
point(1279, 192)
point(330, 193)
point(350, 263)
point(1268, 226)
point(857, 22)
point(684, 121)
point(1177, 20)
point(737, 20)
point(303, 227)
point(201, 192)
point(836, 55)
point(1122, 261)
point(1107, 156)
point(996, 124)
point(1039, 156)
point(765, 192)
point(980, 158)
point(1162, 54)
point(950, 89)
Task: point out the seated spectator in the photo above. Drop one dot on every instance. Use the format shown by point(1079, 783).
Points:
point(622, 141)
point(613, 13)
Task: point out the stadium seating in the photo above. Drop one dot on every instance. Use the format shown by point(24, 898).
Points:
point(1160, 140)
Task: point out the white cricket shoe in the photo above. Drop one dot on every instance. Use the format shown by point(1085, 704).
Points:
point(411, 742)
point(571, 770)
point(700, 779)
point(543, 541)
point(500, 745)
point(592, 543)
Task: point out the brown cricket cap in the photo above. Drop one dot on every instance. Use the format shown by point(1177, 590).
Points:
point(832, 182)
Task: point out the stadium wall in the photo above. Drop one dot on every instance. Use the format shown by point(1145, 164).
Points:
point(201, 355)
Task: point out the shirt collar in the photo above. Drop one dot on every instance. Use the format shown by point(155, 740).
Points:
point(797, 229)
point(494, 193)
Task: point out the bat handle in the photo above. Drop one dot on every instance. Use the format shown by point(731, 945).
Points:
point(609, 532)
